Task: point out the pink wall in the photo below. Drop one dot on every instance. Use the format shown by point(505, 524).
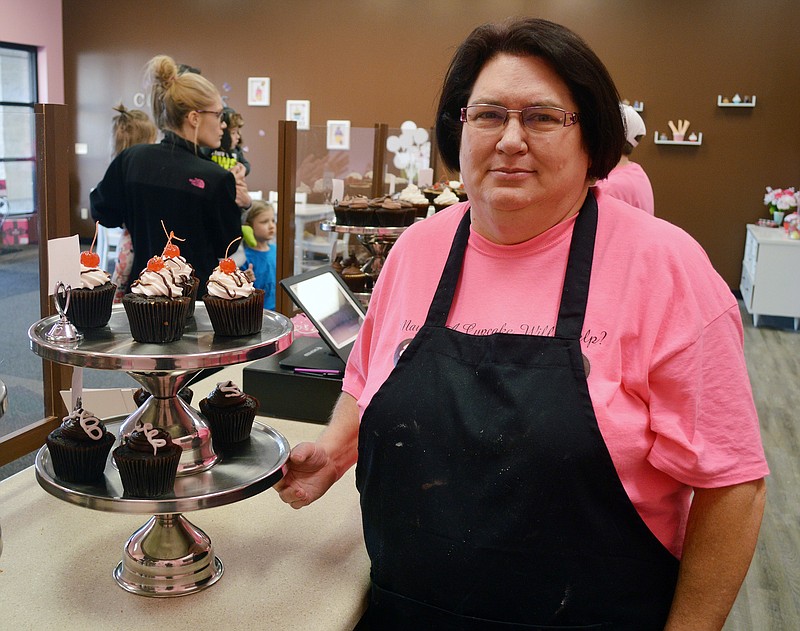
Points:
point(38, 23)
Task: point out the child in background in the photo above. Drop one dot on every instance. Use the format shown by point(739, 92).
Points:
point(128, 128)
point(230, 150)
point(260, 249)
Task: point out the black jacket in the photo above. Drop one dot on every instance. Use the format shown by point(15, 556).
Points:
point(172, 181)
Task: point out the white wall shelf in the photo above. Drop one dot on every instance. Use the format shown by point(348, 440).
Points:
point(699, 141)
point(720, 103)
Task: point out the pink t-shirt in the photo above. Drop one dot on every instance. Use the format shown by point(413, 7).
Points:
point(630, 184)
point(663, 335)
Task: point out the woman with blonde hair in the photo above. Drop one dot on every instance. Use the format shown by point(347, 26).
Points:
point(173, 181)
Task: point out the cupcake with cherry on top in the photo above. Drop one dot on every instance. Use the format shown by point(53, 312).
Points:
point(235, 307)
point(180, 268)
point(156, 305)
point(90, 304)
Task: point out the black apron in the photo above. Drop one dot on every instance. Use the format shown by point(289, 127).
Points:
point(488, 496)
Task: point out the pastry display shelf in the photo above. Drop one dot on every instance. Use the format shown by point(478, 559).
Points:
point(694, 143)
point(721, 103)
point(169, 556)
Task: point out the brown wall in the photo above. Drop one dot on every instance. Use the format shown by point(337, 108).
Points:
point(373, 61)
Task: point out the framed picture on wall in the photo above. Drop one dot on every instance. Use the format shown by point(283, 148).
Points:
point(258, 91)
point(300, 113)
point(338, 135)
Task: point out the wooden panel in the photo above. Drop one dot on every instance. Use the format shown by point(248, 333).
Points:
point(287, 170)
point(25, 440)
point(52, 190)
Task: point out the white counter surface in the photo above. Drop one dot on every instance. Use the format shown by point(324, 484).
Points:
point(286, 570)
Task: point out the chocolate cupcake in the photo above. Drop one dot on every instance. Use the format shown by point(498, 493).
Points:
point(156, 305)
point(147, 461)
point(235, 307)
point(79, 447)
point(355, 278)
point(229, 413)
point(90, 304)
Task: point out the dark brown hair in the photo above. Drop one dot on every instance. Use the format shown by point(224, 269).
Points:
point(587, 78)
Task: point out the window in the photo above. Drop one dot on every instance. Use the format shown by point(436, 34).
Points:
point(17, 129)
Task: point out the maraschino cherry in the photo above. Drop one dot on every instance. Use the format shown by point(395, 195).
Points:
point(155, 264)
point(228, 265)
point(171, 250)
point(90, 258)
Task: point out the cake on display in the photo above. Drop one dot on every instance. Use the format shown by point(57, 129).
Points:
point(229, 413)
point(182, 271)
point(90, 304)
point(79, 447)
point(235, 307)
point(147, 460)
point(156, 305)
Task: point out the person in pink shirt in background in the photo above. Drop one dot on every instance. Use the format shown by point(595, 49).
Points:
point(628, 181)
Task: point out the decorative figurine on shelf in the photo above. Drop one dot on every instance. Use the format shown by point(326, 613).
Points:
point(725, 99)
point(693, 137)
point(663, 136)
point(679, 132)
point(737, 98)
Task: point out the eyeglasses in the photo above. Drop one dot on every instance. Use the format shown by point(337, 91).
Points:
point(539, 118)
point(217, 113)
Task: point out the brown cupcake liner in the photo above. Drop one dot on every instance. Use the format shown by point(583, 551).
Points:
point(156, 320)
point(237, 317)
point(78, 461)
point(145, 474)
point(91, 308)
point(230, 425)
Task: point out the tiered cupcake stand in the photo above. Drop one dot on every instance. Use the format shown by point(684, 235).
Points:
point(169, 556)
point(377, 240)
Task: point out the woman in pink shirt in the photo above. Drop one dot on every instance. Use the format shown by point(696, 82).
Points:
point(547, 402)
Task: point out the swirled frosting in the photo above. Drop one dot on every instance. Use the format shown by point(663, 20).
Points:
point(162, 283)
point(411, 193)
point(446, 198)
point(82, 425)
point(229, 285)
point(182, 271)
point(145, 438)
point(92, 277)
point(226, 394)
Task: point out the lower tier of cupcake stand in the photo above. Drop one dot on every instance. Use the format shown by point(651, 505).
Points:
point(168, 555)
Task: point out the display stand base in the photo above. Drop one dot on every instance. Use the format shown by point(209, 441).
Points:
point(168, 556)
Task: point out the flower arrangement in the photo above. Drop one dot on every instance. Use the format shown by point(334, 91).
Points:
point(781, 199)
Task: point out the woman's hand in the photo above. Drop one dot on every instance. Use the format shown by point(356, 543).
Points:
point(314, 467)
point(310, 473)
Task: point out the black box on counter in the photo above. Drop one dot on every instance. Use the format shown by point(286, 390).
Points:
point(286, 393)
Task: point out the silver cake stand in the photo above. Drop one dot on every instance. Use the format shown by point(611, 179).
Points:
point(169, 556)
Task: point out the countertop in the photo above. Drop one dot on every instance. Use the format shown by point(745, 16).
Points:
point(304, 570)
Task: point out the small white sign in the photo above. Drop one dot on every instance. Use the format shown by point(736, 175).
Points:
point(81, 148)
point(63, 262)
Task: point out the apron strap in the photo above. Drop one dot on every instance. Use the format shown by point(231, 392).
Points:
point(446, 291)
point(575, 294)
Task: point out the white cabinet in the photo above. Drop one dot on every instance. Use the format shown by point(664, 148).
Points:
point(770, 284)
